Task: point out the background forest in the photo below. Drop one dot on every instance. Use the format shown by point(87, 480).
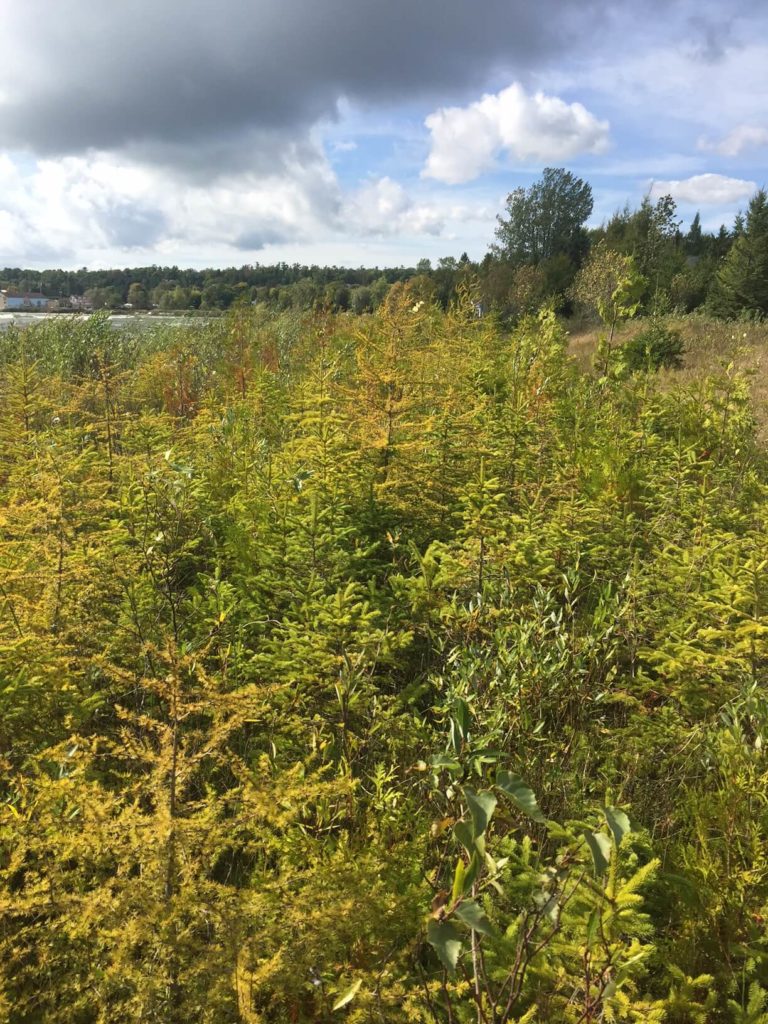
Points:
point(542, 242)
point(389, 668)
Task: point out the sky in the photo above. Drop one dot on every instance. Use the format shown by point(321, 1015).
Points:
point(356, 132)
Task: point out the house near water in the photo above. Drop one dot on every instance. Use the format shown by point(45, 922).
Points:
point(26, 302)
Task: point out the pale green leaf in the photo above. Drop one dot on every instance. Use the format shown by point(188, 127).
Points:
point(348, 996)
point(600, 847)
point(481, 807)
point(618, 823)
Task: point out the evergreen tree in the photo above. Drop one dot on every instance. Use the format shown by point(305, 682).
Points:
point(694, 238)
point(741, 285)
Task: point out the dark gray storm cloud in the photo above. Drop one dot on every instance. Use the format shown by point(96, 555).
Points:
point(190, 82)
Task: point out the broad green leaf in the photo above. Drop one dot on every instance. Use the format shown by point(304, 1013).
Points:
point(481, 807)
point(463, 833)
point(521, 795)
point(600, 847)
point(348, 996)
point(618, 823)
point(473, 915)
point(446, 942)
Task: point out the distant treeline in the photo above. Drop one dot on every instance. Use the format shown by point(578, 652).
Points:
point(541, 244)
point(282, 285)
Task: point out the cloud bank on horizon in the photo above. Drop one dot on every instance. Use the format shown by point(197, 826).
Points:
point(250, 130)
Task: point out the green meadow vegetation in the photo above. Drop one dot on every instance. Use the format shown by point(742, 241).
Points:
point(403, 667)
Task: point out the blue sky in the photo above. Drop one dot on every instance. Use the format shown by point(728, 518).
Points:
point(352, 132)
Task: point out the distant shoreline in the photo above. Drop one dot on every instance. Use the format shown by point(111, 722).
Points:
point(8, 317)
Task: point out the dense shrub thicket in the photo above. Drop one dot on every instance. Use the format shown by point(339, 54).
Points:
point(388, 668)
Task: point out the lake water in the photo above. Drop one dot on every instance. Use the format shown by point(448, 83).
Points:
point(117, 320)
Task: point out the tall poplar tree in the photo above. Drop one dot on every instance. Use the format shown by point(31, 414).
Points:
point(546, 219)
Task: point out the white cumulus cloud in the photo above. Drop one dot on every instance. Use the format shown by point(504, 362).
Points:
point(101, 210)
point(97, 208)
point(383, 207)
point(714, 189)
point(465, 141)
point(743, 137)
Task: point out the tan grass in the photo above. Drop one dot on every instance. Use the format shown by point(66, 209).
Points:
point(710, 346)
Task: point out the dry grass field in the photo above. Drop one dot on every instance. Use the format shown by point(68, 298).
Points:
point(710, 346)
